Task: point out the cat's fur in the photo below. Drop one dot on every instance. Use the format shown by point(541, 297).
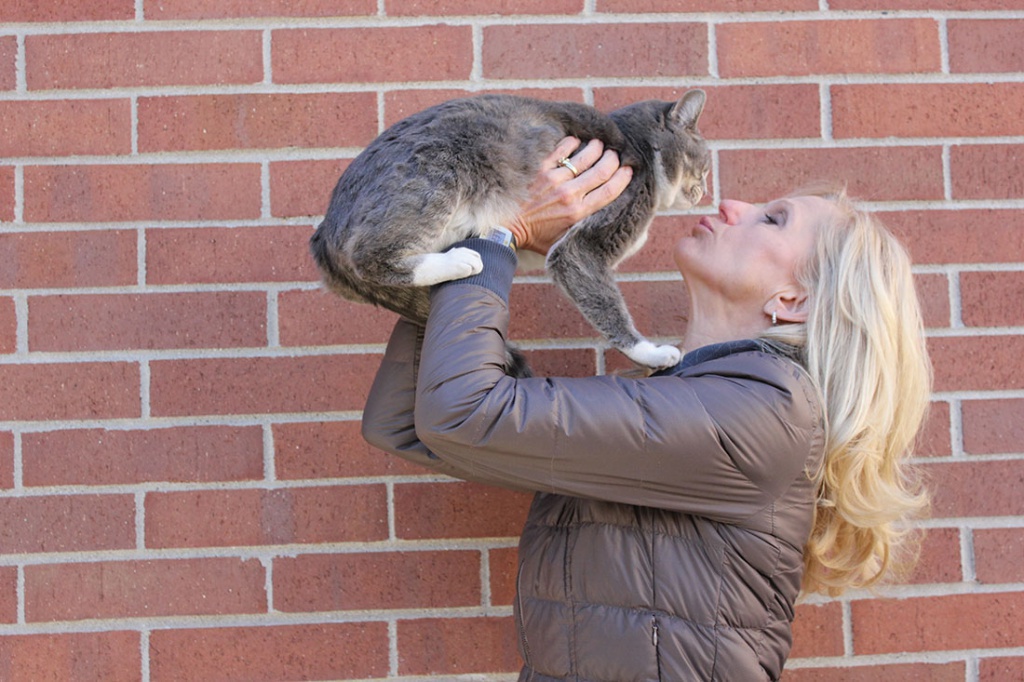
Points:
point(456, 169)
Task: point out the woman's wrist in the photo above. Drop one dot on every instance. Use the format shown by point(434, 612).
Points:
point(520, 234)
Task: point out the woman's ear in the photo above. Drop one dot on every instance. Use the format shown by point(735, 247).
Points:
point(789, 305)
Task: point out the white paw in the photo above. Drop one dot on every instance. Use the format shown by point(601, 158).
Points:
point(443, 267)
point(646, 353)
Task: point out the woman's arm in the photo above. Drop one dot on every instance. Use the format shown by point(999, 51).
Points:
point(722, 444)
point(555, 203)
point(388, 416)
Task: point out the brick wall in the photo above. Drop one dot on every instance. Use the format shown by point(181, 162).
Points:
point(183, 490)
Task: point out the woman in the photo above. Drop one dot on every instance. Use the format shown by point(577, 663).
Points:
point(678, 516)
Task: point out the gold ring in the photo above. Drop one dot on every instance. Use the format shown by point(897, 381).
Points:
point(565, 163)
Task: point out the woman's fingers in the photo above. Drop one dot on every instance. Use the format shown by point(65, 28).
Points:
point(609, 180)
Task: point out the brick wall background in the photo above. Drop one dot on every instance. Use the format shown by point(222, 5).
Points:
point(183, 490)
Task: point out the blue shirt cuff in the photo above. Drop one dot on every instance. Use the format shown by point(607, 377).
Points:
point(499, 267)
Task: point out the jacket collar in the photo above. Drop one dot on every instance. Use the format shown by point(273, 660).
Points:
point(708, 353)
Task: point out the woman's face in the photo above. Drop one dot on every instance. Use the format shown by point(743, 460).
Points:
point(748, 254)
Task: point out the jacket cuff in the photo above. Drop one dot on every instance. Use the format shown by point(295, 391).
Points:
point(499, 267)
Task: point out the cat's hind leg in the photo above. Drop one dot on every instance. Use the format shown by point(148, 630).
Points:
point(434, 268)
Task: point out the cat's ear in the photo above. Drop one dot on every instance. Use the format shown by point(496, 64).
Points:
point(687, 110)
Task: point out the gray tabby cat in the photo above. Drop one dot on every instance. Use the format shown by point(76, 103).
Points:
point(455, 170)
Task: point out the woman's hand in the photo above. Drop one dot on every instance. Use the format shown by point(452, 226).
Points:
point(559, 199)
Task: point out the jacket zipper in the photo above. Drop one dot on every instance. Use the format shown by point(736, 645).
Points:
point(654, 641)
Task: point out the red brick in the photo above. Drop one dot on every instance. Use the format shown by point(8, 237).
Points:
point(800, 48)
point(765, 174)
point(934, 438)
point(458, 510)
point(370, 55)
point(255, 121)
point(543, 311)
point(215, 255)
point(978, 363)
point(107, 193)
point(986, 46)
point(149, 321)
point(6, 193)
point(67, 523)
point(743, 112)
point(992, 299)
point(997, 553)
point(993, 427)
point(939, 560)
point(905, 672)
point(818, 630)
point(110, 60)
point(562, 362)
point(324, 383)
point(941, 237)
point(646, 6)
point(267, 654)
point(6, 459)
point(8, 326)
point(965, 621)
point(221, 518)
point(107, 656)
point(399, 104)
point(443, 647)
point(8, 56)
point(66, 127)
point(303, 188)
point(926, 109)
point(138, 589)
point(332, 450)
point(1000, 669)
point(987, 171)
point(490, 7)
point(536, 51)
point(66, 10)
point(106, 457)
point(50, 392)
point(971, 5)
point(504, 567)
point(664, 233)
point(380, 580)
point(321, 317)
point(966, 489)
point(226, 9)
point(35, 260)
point(8, 594)
point(933, 294)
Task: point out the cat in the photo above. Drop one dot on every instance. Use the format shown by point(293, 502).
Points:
point(456, 169)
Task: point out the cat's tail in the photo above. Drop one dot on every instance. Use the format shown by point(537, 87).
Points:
point(515, 363)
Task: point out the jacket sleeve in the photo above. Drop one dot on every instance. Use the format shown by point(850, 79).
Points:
point(723, 442)
point(388, 416)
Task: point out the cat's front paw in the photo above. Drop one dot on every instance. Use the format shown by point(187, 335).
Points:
point(457, 263)
point(647, 354)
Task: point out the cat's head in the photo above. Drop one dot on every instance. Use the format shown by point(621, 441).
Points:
point(683, 154)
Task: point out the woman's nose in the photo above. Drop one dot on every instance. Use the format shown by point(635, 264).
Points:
point(730, 210)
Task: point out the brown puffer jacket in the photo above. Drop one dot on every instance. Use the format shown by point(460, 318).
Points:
point(665, 541)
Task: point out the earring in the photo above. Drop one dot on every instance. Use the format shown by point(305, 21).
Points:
point(775, 318)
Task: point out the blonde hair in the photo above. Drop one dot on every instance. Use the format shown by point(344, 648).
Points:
point(864, 346)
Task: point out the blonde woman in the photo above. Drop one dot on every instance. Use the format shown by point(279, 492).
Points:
point(678, 516)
